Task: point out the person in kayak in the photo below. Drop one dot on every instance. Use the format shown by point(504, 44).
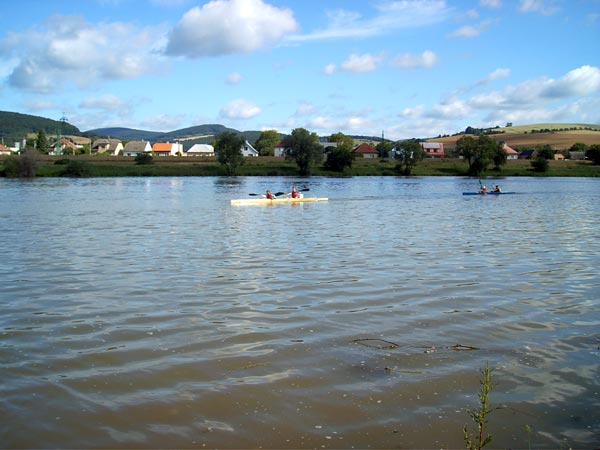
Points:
point(497, 189)
point(268, 195)
point(484, 189)
point(295, 193)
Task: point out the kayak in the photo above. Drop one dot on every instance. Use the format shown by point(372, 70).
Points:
point(276, 201)
point(488, 193)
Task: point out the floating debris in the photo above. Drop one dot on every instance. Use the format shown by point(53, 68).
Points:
point(376, 343)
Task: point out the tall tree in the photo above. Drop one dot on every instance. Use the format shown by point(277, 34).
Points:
point(408, 154)
point(593, 153)
point(384, 148)
point(41, 144)
point(479, 152)
point(266, 142)
point(303, 147)
point(229, 149)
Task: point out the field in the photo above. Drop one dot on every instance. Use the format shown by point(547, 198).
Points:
point(521, 137)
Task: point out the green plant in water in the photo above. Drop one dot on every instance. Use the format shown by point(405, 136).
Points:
point(479, 416)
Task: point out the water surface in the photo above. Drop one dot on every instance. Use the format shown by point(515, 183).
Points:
point(149, 312)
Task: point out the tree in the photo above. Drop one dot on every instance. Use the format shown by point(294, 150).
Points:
point(466, 147)
point(593, 154)
point(342, 141)
point(41, 143)
point(578, 147)
point(229, 148)
point(480, 152)
point(539, 163)
point(545, 151)
point(408, 154)
point(266, 142)
point(384, 148)
point(499, 156)
point(338, 159)
point(303, 147)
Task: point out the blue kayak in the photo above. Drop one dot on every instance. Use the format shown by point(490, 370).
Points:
point(488, 193)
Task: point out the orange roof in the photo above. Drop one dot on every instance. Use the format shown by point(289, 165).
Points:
point(161, 147)
point(509, 151)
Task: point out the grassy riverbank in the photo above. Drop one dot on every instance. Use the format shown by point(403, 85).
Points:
point(99, 166)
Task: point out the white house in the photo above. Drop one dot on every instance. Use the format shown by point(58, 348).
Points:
point(200, 150)
point(134, 148)
point(167, 149)
point(248, 150)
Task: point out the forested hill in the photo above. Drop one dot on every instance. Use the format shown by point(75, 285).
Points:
point(16, 126)
point(200, 132)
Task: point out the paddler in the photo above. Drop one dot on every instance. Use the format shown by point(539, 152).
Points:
point(269, 196)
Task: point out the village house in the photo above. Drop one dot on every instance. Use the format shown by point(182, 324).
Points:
point(111, 147)
point(167, 149)
point(433, 149)
point(511, 153)
point(249, 150)
point(366, 151)
point(134, 148)
point(4, 150)
point(200, 150)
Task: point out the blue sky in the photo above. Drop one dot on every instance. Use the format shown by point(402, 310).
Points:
point(410, 68)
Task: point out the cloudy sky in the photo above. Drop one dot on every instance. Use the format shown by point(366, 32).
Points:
point(410, 68)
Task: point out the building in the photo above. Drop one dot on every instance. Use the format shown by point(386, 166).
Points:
point(200, 150)
point(366, 151)
point(134, 148)
point(511, 153)
point(248, 150)
point(109, 146)
point(433, 149)
point(167, 149)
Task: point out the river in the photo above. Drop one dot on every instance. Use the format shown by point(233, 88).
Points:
point(150, 313)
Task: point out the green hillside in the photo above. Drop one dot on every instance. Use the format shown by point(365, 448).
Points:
point(16, 127)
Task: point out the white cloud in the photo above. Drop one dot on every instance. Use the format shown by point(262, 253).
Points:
point(412, 61)
point(582, 81)
point(240, 109)
point(305, 109)
point(361, 63)
point(491, 3)
point(545, 7)
point(234, 78)
point(498, 73)
point(469, 31)
point(329, 69)
point(453, 109)
point(388, 16)
point(67, 49)
point(222, 27)
point(107, 102)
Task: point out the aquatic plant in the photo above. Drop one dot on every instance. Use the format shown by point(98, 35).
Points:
point(479, 416)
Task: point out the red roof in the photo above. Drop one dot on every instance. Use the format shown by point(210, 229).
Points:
point(365, 149)
point(508, 150)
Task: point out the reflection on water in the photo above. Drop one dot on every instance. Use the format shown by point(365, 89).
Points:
point(150, 313)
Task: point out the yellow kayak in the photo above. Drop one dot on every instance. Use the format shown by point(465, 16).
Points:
point(276, 201)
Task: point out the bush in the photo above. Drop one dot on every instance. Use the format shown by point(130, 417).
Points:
point(593, 154)
point(77, 168)
point(62, 162)
point(539, 164)
point(23, 166)
point(143, 159)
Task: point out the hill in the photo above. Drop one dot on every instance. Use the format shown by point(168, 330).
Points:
point(15, 127)
point(560, 136)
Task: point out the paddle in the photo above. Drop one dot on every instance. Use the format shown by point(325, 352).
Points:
point(276, 194)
